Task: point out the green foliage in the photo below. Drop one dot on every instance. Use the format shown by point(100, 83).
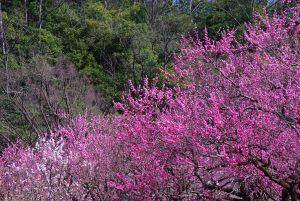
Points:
point(110, 41)
point(115, 41)
point(223, 14)
point(19, 127)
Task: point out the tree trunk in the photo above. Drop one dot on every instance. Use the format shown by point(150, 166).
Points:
point(285, 195)
point(26, 11)
point(293, 192)
point(4, 49)
point(40, 13)
point(190, 6)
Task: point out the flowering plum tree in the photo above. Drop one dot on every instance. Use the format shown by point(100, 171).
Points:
point(231, 128)
point(228, 130)
point(73, 163)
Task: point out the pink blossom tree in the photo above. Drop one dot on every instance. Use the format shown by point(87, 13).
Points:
point(73, 163)
point(231, 127)
point(228, 130)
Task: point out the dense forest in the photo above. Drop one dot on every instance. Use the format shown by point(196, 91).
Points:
point(149, 100)
point(77, 56)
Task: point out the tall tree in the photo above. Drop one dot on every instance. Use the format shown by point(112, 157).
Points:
point(4, 49)
point(40, 14)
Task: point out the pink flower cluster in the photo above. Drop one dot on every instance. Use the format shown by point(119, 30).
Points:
point(73, 163)
point(228, 130)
